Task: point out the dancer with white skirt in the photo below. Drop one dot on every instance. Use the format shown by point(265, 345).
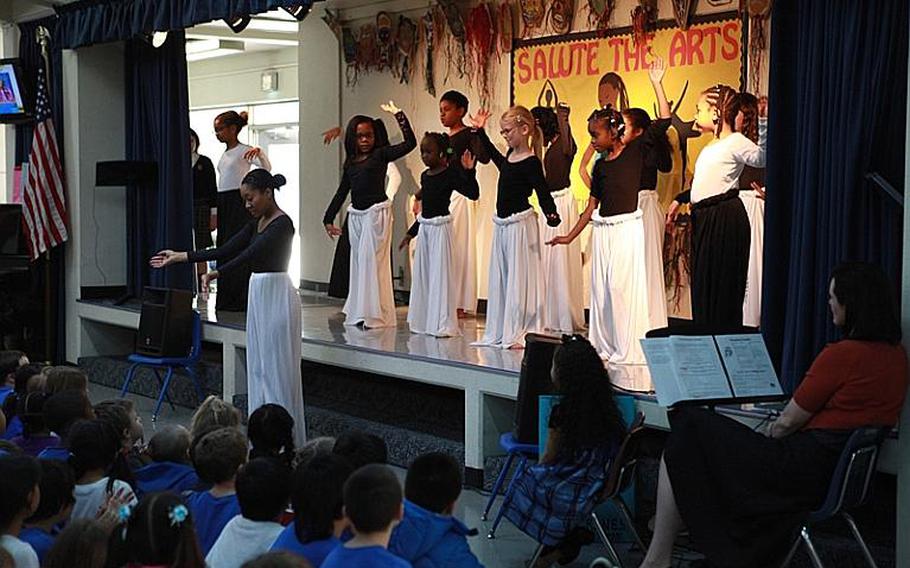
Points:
point(752, 194)
point(370, 301)
point(515, 294)
point(561, 266)
point(273, 306)
point(619, 298)
point(433, 308)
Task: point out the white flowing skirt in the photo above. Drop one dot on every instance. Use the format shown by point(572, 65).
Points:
point(561, 267)
point(370, 299)
point(619, 300)
point(433, 309)
point(464, 252)
point(273, 347)
point(755, 209)
point(654, 224)
point(514, 297)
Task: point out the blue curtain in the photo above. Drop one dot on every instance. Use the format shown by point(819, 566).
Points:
point(54, 275)
point(99, 21)
point(157, 126)
point(838, 82)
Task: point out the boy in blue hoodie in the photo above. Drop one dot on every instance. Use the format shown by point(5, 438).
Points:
point(170, 469)
point(428, 535)
point(372, 503)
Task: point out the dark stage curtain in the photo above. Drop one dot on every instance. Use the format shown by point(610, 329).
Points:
point(157, 121)
point(53, 274)
point(838, 88)
point(99, 21)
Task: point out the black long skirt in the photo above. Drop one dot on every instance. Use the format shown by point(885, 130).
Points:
point(720, 261)
point(233, 287)
point(742, 495)
point(340, 279)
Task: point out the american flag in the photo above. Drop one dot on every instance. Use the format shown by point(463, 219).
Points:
point(44, 208)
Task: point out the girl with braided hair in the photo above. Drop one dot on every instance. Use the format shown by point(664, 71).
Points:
point(720, 225)
point(752, 194)
point(273, 325)
point(551, 500)
point(435, 288)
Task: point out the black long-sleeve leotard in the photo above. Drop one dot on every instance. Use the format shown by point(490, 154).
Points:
point(365, 179)
point(266, 251)
point(437, 192)
point(516, 182)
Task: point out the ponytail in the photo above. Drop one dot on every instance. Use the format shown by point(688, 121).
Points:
point(261, 180)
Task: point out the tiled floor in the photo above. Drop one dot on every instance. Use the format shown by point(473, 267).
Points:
point(510, 548)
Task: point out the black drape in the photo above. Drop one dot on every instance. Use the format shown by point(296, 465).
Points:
point(838, 88)
point(51, 275)
point(158, 130)
point(99, 21)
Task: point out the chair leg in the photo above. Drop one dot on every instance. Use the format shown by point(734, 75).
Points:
point(792, 552)
point(163, 388)
point(497, 486)
point(859, 539)
point(507, 497)
point(810, 546)
point(129, 379)
point(621, 505)
point(604, 539)
point(536, 556)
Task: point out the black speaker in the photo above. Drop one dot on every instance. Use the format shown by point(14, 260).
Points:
point(124, 172)
point(165, 323)
point(533, 382)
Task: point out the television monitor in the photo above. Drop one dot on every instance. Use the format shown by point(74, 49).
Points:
point(13, 106)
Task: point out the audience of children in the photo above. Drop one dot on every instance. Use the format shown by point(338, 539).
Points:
point(54, 507)
point(25, 379)
point(219, 454)
point(211, 415)
point(361, 448)
point(170, 468)
point(373, 505)
point(262, 491)
point(36, 436)
point(160, 532)
point(271, 433)
point(65, 377)
point(19, 495)
point(428, 535)
point(61, 411)
point(317, 499)
point(99, 466)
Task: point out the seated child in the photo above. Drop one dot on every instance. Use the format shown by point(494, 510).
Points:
point(65, 377)
point(36, 436)
point(262, 490)
point(26, 379)
point(318, 508)
point(122, 413)
point(160, 533)
point(219, 454)
point(313, 447)
point(428, 535)
point(95, 446)
point(170, 470)
point(54, 507)
point(372, 503)
point(211, 415)
point(361, 449)
point(61, 411)
point(85, 539)
point(19, 477)
point(271, 432)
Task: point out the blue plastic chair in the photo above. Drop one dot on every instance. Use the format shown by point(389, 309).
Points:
point(170, 363)
point(849, 489)
point(514, 449)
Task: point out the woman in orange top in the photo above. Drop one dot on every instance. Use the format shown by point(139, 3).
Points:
point(744, 495)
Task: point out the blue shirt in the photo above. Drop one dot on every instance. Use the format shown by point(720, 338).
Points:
point(363, 557)
point(210, 515)
point(59, 453)
point(166, 476)
point(314, 551)
point(13, 429)
point(38, 539)
point(5, 392)
point(430, 540)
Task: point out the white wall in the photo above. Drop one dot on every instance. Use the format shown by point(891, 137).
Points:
point(94, 131)
point(235, 79)
point(320, 165)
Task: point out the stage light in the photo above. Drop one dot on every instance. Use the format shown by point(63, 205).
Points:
point(158, 39)
point(237, 23)
point(299, 12)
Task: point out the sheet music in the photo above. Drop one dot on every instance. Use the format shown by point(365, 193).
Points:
point(663, 371)
point(748, 365)
point(698, 367)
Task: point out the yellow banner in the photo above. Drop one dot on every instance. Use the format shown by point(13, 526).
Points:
point(586, 72)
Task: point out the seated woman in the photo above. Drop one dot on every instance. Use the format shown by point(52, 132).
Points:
point(744, 495)
point(551, 500)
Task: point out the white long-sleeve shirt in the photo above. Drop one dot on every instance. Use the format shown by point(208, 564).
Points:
point(721, 162)
point(232, 167)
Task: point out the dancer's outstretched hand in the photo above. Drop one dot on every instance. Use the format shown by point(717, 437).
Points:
point(331, 135)
point(166, 257)
point(560, 240)
point(480, 119)
point(252, 154)
point(207, 279)
point(657, 70)
point(390, 107)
